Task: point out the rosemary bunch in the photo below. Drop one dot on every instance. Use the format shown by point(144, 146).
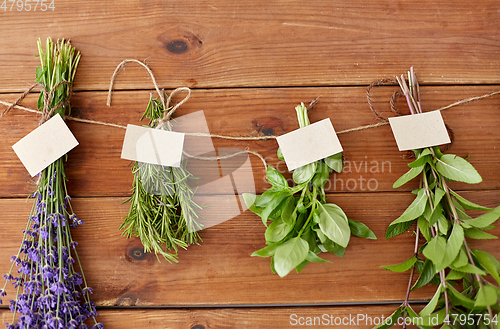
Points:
point(464, 298)
point(162, 211)
point(50, 292)
point(303, 225)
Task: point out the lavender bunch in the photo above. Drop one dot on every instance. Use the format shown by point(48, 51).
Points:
point(50, 293)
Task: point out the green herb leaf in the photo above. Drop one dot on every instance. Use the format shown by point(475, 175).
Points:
point(391, 320)
point(431, 306)
point(275, 178)
point(313, 258)
point(322, 175)
point(334, 162)
point(334, 248)
point(461, 259)
point(454, 275)
point(402, 267)
point(289, 255)
point(435, 249)
point(486, 296)
point(476, 233)
point(422, 159)
point(426, 275)
point(455, 168)
point(304, 174)
point(469, 268)
point(334, 224)
point(273, 204)
point(287, 213)
point(267, 251)
point(483, 220)
point(249, 200)
point(460, 298)
point(361, 230)
point(415, 209)
point(396, 229)
point(408, 176)
point(280, 154)
point(488, 262)
point(455, 242)
point(467, 204)
point(277, 231)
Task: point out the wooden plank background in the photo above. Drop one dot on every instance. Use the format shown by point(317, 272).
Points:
point(249, 64)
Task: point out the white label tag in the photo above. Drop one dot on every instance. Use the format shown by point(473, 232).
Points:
point(421, 130)
point(153, 146)
point(45, 144)
point(309, 144)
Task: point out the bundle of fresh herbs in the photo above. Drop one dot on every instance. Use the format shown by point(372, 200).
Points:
point(464, 298)
point(162, 211)
point(303, 223)
point(50, 291)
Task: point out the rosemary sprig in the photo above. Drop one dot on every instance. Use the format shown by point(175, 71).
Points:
point(162, 211)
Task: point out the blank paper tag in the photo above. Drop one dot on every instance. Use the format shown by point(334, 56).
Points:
point(309, 144)
point(45, 144)
point(421, 130)
point(153, 146)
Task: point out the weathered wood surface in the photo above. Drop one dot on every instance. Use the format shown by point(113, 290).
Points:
point(221, 271)
point(249, 65)
point(373, 161)
point(279, 43)
point(279, 317)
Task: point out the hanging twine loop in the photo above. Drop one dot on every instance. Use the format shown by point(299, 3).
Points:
point(47, 111)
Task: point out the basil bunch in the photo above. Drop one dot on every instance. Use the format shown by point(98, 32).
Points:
point(303, 223)
point(448, 261)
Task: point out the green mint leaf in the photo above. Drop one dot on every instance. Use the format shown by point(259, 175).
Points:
point(483, 220)
point(267, 251)
point(422, 159)
point(403, 266)
point(467, 204)
point(486, 296)
point(426, 275)
point(361, 230)
point(461, 259)
point(275, 178)
point(476, 233)
point(334, 162)
point(415, 209)
point(334, 224)
point(408, 176)
point(454, 275)
point(469, 268)
point(304, 174)
point(456, 168)
point(396, 229)
point(431, 306)
point(435, 249)
point(488, 262)
point(455, 242)
point(289, 255)
point(459, 298)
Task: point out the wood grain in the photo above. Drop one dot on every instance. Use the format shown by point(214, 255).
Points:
point(227, 318)
point(221, 271)
point(279, 43)
point(372, 160)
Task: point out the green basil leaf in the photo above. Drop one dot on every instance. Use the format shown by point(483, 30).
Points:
point(476, 233)
point(431, 306)
point(488, 262)
point(468, 204)
point(396, 229)
point(277, 231)
point(415, 209)
point(267, 251)
point(408, 176)
point(486, 296)
point(434, 250)
point(483, 220)
point(263, 200)
point(304, 174)
point(334, 162)
point(301, 266)
point(426, 275)
point(287, 213)
point(361, 230)
point(275, 178)
point(249, 200)
point(333, 248)
point(455, 168)
point(403, 266)
point(280, 154)
point(313, 258)
point(273, 205)
point(322, 175)
point(334, 224)
point(289, 255)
